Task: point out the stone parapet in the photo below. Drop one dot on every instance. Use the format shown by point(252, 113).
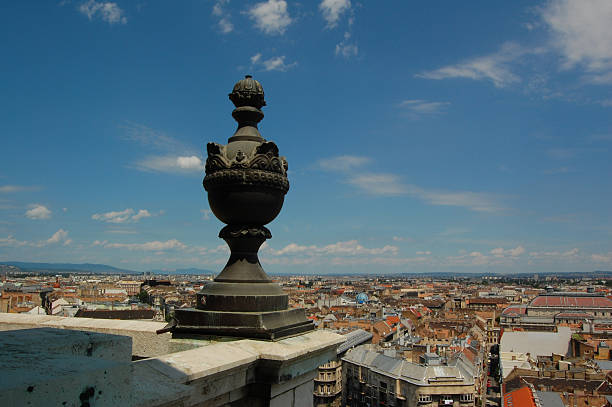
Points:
point(145, 341)
point(222, 372)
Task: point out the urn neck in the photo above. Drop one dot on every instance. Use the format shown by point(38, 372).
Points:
point(247, 117)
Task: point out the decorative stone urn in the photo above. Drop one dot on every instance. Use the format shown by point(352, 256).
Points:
point(246, 181)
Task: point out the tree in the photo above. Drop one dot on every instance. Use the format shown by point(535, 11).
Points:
point(143, 296)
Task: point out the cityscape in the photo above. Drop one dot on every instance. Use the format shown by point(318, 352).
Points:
point(306, 204)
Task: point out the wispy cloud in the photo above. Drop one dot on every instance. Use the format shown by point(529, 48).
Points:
point(419, 107)
point(178, 158)
point(206, 214)
point(105, 10)
point(7, 189)
point(496, 67)
point(332, 10)
point(475, 201)
point(602, 258)
point(224, 24)
point(555, 254)
point(378, 184)
point(386, 184)
point(349, 248)
point(558, 170)
point(343, 162)
point(128, 215)
point(271, 64)
point(501, 252)
point(153, 246)
point(59, 237)
point(151, 138)
point(561, 153)
point(347, 48)
point(581, 33)
point(271, 17)
point(37, 212)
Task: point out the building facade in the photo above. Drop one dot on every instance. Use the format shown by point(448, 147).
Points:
point(374, 379)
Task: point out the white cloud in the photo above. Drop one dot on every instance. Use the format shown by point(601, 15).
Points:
point(255, 58)
point(419, 107)
point(172, 164)
point(5, 189)
point(61, 236)
point(147, 246)
point(378, 184)
point(475, 201)
point(224, 24)
point(148, 137)
point(347, 248)
point(277, 64)
point(500, 252)
point(345, 48)
point(189, 163)
point(423, 253)
point(386, 184)
point(559, 170)
point(343, 162)
point(10, 241)
point(561, 153)
point(206, 214)
point(38, 211)
point(495, 67)
point(270, 16)
point(125, 216)
point(602, 258)
point(333, 9)
point(582, 32)
point(272, 64)
point(555, 254)
point(106, 10)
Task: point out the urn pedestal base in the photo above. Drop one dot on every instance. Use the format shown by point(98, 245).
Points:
point(272, 325)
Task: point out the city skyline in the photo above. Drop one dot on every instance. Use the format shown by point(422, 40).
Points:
point(420, 138)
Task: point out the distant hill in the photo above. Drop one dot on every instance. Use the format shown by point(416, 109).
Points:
point(185, 271)
point(72, 267)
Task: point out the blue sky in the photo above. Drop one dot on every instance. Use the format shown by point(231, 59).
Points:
point(432, 136)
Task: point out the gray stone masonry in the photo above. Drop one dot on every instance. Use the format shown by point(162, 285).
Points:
point(47, 366)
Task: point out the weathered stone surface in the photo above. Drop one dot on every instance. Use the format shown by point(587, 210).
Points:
point(242, 372)
point(145, 341)
point(55, 367)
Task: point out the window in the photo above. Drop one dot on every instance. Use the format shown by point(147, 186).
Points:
point(466, 397)
point(424, 398)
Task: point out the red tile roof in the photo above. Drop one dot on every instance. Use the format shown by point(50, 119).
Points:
point(393, 320)
point(571, 301)
point(519, 398)
point(514, 309)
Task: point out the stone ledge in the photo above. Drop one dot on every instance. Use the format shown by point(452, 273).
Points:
point(268, 370)
point(216, 373)
point(145, 341)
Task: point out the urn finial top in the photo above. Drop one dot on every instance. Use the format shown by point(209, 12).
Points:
point(248, 92)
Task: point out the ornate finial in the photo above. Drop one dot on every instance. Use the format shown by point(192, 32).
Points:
point(248, 92)
point(246, 181)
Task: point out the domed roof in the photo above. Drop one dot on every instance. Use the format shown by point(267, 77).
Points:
point(248, 92)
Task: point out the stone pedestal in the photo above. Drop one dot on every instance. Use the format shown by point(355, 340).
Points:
point(246, 181)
